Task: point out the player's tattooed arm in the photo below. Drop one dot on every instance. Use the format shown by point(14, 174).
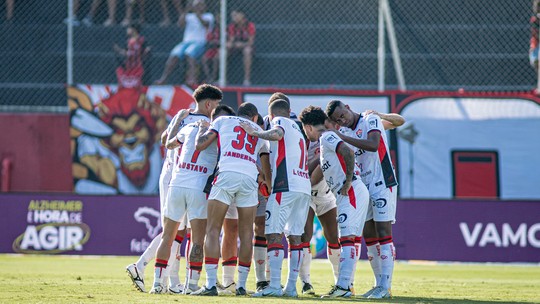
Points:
point(348, 157)
point(182, 114)
point(316, 176)
point(389, 120)
point(205, 137)
point(274, 134)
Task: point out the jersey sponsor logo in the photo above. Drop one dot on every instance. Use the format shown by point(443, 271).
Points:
point(373, 123)
point(342, 218)
point(268, 214)
point(359, 152)
point(331, 139)
point(326, 166)
point(379, 203)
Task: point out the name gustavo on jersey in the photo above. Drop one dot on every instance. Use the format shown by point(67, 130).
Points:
point(193, 167)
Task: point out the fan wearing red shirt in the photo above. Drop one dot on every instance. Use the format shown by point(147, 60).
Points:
point(241, 36)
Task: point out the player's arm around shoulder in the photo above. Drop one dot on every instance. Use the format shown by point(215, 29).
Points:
point(274, 134)
point(207, 134)
point(390, 121)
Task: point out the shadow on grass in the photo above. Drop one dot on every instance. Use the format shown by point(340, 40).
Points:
point(392, 300)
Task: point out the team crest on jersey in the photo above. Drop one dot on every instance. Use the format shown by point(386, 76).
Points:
point(359, 133)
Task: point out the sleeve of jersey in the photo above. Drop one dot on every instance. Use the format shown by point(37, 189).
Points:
point(265, 147)
point(180, 138)
point(173, 120)
point(331, 141)
point(278, 122)
point(374, 123)
point(214, 126)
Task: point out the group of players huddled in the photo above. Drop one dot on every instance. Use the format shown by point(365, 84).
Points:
point(257, 179)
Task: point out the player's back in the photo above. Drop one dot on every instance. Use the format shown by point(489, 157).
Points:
point(193, 167)
point(288, 158)
point(238, 151)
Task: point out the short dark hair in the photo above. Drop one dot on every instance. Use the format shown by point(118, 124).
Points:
point(331, 107)
point(207, 91)
point(278, 95)
point(136, 26)
point(279, 107)
point(247, 109)
point(219, 110)
point(260, 120)
point(313, 116)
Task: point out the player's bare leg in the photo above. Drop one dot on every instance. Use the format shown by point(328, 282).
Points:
point(246, 217)
point(216, 215)
point(196, 253)
point(307, 288)
point(229, 255)
point(259, 253)
point(163, 254)
point(330, 230)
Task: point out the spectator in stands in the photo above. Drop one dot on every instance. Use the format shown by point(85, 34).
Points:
point(130, 73)
point(89, 19)
point(210, 59)
point(10, 4)
point(197, 23)
point(535, 25)
point(129, 12)
point(241, 36)
point(178, 5)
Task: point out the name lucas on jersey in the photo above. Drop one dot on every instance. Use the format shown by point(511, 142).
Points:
point(240, 156)
point(193, 167)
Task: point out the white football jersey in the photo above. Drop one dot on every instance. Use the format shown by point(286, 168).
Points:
point(194, 168)
point(238, 151)
point(332, 163)
point(376, 169)
point(288, 159)
point(172, 154)
point(314, 151)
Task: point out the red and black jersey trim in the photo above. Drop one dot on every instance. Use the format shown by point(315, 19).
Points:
point(281, 181)
point(386, 165)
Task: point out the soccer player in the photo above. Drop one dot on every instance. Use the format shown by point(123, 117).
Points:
point(235, 182)
point(191, 177)
point(287, 206)
point(136, 271)
point(366, 132)
point(352, 198)
point(323, 204)
point(208, 98)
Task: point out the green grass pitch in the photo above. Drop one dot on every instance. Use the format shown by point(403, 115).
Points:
point(63, 279)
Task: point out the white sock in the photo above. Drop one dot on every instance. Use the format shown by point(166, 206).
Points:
point(296, 255)
point(211, 267)
point(373, 253)
point(259, 258)
point(148, 254)
point(346, 265)
point(174, 264)
point(159, 272)
point(229, 268)
point(193, 275)
point(243, 272)
point(275, 261)
point(306, 264)
point(357, 246)
point(387, 262)
point(333, 253)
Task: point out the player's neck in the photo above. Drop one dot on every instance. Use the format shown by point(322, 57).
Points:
point(355, 121)
point(320, 130)
point(198, 111)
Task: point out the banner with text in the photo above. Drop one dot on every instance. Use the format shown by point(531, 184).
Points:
point(469, 231)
